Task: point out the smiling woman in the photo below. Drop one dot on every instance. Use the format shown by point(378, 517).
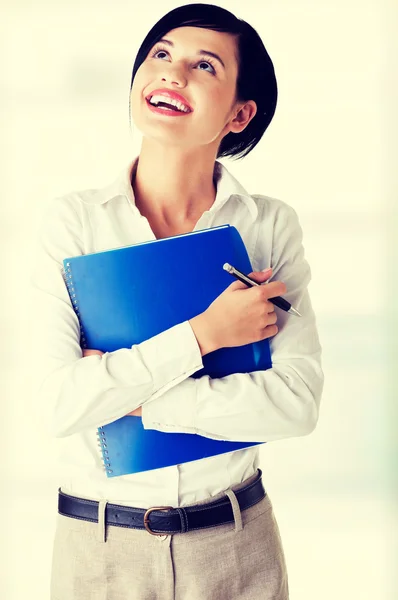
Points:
point(235, 56)
point(203, 87)
point(216, 68)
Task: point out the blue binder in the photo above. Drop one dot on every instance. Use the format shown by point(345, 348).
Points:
point(127, 295)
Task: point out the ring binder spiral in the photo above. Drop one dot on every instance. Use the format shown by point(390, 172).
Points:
point(119, 303)
point(101, 436)
point(67, 277)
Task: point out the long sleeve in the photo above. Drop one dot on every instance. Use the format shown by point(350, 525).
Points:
point(75, 393)
point(261, 406)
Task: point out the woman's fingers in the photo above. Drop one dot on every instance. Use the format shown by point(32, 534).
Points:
point(87, 352)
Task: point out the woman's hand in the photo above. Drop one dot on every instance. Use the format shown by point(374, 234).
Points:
point(137, 412)
point(240, 315)
point(90, 352)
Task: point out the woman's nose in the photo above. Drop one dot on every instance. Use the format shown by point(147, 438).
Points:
point(175, 74)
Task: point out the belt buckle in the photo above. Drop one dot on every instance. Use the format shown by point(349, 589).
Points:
point(146, 519)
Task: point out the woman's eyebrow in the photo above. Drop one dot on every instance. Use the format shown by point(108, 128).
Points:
point(213, 54)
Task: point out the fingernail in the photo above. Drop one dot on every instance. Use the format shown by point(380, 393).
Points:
point(268, 269)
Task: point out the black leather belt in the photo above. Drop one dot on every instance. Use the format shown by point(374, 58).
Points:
point(161, 520)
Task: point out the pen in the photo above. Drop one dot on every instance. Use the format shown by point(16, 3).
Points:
point(278, 300)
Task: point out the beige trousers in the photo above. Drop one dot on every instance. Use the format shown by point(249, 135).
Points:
point(243, 560)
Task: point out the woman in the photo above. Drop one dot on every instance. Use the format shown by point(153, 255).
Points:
point(203, 87)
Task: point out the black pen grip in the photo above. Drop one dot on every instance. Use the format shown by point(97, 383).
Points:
point(277, 300)
point(280, 303)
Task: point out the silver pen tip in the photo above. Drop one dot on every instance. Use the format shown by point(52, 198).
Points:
point(293, 311)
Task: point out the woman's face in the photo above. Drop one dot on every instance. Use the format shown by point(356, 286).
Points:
point(207, 85)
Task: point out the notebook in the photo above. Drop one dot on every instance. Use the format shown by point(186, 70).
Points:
point(126, 295)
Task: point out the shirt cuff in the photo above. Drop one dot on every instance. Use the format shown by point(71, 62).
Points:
point(173, 412)
point(171, 357)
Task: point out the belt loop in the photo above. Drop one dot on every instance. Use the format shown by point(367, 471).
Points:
point(235, 509)
point(184, 520)
point(101, 531)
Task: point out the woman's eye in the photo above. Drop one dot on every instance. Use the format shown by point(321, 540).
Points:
point(158, 52)
point(202, 62)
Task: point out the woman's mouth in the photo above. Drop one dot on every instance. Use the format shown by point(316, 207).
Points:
point(166, 110)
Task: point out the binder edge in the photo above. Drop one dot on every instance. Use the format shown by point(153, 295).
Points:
point(67, 276)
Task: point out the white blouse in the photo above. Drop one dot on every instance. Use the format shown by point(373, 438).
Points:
point(75, 395)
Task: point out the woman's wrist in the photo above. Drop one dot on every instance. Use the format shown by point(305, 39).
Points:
point(202, 331)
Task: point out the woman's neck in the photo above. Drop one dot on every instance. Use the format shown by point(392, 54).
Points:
point(173, 187)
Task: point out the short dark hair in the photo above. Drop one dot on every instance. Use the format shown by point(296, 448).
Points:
point(256, 76)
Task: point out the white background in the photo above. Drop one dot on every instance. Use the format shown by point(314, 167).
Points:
point(329, 152)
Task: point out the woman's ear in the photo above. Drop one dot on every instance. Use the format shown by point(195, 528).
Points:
point(242, 118)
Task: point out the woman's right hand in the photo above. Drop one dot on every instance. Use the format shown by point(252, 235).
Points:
point(239, 315)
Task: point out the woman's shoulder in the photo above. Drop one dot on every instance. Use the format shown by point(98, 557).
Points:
point(271, 203)
point(73, 206)
point(269, 206)
point(75, 198)
point(63, 217)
